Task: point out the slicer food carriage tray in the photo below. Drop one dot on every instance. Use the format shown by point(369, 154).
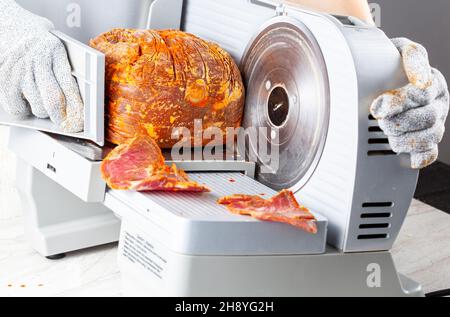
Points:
point(194, 224)
point(75, 163)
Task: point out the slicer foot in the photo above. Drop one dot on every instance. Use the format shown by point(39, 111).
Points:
point(56, 256)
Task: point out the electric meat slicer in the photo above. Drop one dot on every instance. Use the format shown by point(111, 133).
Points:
point(310, 77)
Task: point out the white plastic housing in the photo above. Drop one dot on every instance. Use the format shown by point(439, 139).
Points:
point(57, 221)
point(75, 173)
point(86, 19)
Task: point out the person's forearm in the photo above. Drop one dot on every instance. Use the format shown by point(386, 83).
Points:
point(356, 8)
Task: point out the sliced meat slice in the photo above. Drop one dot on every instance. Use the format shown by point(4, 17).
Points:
point(282, 208)
point(169, 179)
point(139, 165)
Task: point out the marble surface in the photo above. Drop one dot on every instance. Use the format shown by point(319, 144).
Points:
point(91, 272)
point(422, 252)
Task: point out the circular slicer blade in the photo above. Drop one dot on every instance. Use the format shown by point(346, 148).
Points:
point(287, 103)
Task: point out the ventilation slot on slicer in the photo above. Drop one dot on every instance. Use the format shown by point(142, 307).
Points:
point(375, 129)
point(375, 226)
point(377, 205)
point(378, 141)
point(373, 236)
point(375, 220)
point(376, 215)
point(381, 153)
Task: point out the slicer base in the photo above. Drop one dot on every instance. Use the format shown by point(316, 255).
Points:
point(329, 275)
point(58, 222)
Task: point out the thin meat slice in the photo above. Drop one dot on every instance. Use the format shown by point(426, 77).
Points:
point(169, 179)
point(139, 165)
point(282, 208)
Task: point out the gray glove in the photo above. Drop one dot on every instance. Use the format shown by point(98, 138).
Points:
point(413, 117)
point(35, 73)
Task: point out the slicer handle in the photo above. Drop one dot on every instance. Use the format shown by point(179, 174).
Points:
point(165, 14)
point(267, 3)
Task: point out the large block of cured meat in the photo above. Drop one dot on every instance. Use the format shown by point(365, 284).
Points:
point(160, 80)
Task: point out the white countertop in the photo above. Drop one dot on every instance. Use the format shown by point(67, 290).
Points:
point(422, 252)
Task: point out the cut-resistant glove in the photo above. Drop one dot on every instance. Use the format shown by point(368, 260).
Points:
point(35, 73)
point(413, 117)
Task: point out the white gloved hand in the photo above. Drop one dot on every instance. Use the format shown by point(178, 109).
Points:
point(35, 73)
point(413, 117)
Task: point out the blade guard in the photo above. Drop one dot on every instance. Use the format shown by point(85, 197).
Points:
point(88, 67)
